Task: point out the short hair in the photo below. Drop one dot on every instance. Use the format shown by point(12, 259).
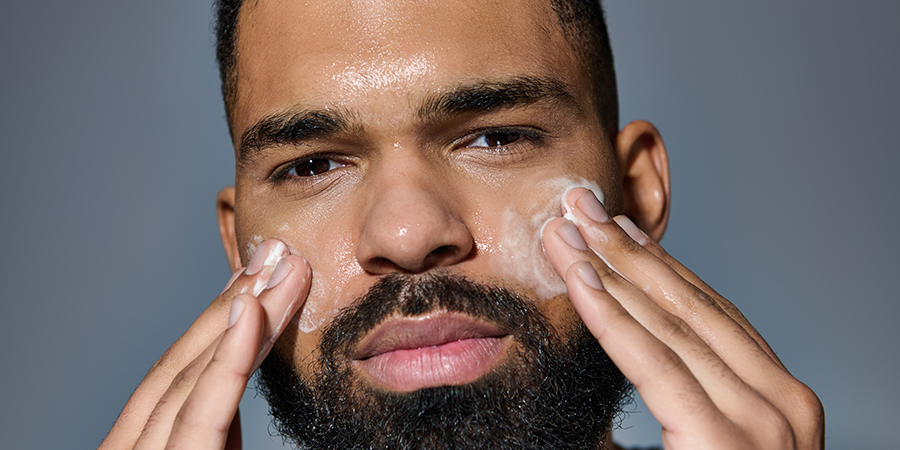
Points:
point(582, 21)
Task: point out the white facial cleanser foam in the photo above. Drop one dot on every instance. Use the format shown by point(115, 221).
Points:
point(520, 254)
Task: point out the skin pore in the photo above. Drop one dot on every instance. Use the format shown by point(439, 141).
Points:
point(420, 141)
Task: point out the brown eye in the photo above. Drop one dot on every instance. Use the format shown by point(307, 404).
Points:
point(495, 139)
point(313, 166)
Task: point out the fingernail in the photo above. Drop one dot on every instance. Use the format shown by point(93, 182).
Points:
point(237, 307)
point(569, 233)
point(266, 255)
point(591, 207)
point(587, 274)
point(282, 269)
point(631, 229)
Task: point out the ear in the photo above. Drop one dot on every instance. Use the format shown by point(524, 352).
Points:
point(645, 177)
point(225, 213)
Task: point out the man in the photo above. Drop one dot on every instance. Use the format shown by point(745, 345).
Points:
point(442, 239)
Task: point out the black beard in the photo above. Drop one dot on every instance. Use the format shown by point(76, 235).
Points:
point(551, 392)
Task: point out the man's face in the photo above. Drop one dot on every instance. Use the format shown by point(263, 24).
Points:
point(385, 137)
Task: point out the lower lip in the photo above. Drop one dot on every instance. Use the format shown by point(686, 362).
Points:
point(453, 363)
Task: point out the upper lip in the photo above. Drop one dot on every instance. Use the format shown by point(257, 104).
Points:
point(429, 330)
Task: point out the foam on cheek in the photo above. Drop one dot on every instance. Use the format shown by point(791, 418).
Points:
point(327, 289)
point(252, 245)
point(520, 254)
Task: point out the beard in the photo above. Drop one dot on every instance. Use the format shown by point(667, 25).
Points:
point(553, 390)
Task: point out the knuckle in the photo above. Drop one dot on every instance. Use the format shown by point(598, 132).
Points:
point(184, 379)
point(809, 401)
point(668, 362)
point(674, 329)
point(767, 426)
point(778, 431)
point(808, 413)
point(630, 248)
point(605, 272)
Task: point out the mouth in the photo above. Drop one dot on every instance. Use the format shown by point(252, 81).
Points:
point(410, 353)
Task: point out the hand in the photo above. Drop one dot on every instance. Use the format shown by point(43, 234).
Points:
point(189, 398)
point(703, 371)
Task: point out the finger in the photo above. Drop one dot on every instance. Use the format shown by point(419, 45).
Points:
point(660, 376)
point(235, 440)
point(158, 425)
point(564, 247)
point(619, 242)
point(205, 418)
point(622, 247)
point(729, 393)
point(234, 277)
point(726, 306)
point(169, 381)
point(210, 324)
point(283, 296)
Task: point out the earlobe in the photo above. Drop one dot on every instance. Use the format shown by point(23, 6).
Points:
point(645, 176)
point(225, 213)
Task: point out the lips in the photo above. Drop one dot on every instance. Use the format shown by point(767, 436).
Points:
point(410, 353)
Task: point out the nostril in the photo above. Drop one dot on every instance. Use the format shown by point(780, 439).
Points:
point(441, 254)
point(380, 264)
point(445, 250)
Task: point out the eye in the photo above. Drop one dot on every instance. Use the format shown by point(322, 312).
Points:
point(310, 167)
point(495, 139)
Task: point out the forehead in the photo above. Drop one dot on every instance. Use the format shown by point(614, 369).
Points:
point(378, 56)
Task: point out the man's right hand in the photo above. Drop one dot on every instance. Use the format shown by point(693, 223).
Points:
point(189, 398)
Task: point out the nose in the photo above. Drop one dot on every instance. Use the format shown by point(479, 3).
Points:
point(411, 225)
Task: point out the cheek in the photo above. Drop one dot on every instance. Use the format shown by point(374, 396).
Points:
point(326, 245)
point(334, 268)
point(517, 251)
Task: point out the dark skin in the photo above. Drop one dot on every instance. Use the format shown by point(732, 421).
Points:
point(395, 189)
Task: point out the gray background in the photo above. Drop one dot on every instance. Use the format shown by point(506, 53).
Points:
point(780, 119)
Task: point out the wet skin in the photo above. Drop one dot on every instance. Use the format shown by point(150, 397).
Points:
point(405, 183)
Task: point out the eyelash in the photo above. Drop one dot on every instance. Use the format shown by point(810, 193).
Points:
point(526, 136)
point(283, 173)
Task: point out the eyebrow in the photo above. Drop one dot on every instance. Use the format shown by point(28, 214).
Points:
point(292, 127)
point(486, 96)
point(295, 127)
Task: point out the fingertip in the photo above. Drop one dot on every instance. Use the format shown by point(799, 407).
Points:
point(303, 269)
point(586, 273)
point(237, 308)
point(560, 254)
point(571, 196)
point(551, 225)
point(243, 305)
point(569, 233)
point(631, 229)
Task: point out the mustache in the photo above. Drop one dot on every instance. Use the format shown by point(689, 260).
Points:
point(415, 295)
